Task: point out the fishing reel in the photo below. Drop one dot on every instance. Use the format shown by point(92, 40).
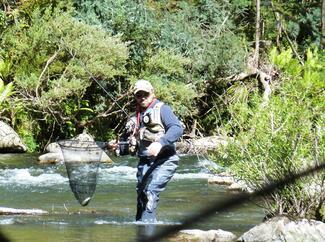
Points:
point(127, 147)
point(123, 147)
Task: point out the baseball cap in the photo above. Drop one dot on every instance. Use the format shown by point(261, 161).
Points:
point(142, 85)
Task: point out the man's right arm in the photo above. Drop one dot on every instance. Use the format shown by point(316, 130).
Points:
point(127, 143)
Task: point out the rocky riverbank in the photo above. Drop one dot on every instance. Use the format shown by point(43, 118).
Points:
point(280, 229)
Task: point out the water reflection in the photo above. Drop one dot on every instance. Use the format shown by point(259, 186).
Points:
point(3, 238)
point(145, 230)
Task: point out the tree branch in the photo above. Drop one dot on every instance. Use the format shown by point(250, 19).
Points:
point(286, 34)
point(48, 62)
point(264, 78)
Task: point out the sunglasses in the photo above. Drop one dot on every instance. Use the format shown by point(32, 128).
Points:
point(139, 95)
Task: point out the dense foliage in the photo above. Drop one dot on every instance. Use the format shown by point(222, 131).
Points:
point(59, 54)
point(283, 137)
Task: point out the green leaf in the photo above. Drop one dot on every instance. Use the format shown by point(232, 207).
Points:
point(2, 85)
point(87, 109)
point(8, 90)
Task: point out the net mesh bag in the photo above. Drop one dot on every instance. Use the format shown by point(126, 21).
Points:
point(81, 159)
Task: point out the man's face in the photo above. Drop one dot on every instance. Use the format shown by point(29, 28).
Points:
point(144, 98)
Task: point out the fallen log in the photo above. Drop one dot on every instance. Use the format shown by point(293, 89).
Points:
point(14, 211)
point(201, 145)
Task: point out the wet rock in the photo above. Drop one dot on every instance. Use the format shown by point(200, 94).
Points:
point(230, 182)
point(283, 229)
point(221, 180)
point(9, 140)
point(196, 235)
point(235, 187)
point(50, 158)
point(15, 211)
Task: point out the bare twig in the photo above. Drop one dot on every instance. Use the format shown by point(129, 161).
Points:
point(48, 62)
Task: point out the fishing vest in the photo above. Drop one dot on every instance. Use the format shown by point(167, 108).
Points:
point(151, 127)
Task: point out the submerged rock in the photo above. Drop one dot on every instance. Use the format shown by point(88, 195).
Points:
point(9, 140)
point(283, 229)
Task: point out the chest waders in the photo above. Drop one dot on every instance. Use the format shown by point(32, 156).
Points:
point(142, 200)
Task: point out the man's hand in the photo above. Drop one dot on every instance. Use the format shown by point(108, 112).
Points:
point(112, 145)
point(154, 148)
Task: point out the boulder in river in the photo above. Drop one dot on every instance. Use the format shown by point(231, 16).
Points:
point(10, 142)
point(283, 229)
point(52, 157)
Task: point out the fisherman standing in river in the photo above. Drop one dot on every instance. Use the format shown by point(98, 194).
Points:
point(151, 133)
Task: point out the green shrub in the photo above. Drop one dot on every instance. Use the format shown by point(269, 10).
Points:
point(284, 137)
point(168, 73)
point(207, 42)
point(54, 60)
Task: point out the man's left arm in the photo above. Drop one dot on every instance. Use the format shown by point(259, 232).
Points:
point(173, 127)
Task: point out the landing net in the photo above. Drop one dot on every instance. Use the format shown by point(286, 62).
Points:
point(81, 159)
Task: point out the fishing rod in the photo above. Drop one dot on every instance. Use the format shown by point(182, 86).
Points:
point(101, 86)
point(94, 79)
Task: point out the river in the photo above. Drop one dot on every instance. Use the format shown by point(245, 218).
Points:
point(110, 215)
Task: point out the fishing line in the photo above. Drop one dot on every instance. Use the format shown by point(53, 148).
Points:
point(94, 79)
point(98, 83)
point(232, 202)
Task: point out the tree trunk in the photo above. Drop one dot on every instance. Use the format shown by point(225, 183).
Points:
point(322, 39)
point(278, 19)
point(257, 33)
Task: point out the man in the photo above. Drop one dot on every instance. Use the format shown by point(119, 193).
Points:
point(153, 130)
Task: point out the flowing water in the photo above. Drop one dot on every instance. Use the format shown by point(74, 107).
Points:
point(25, 184)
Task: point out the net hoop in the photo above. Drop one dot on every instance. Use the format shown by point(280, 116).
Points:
point(81, 144)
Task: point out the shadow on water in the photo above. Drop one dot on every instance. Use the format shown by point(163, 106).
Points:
point(3, 238)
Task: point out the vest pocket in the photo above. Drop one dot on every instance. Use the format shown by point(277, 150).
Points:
point(150, 136)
